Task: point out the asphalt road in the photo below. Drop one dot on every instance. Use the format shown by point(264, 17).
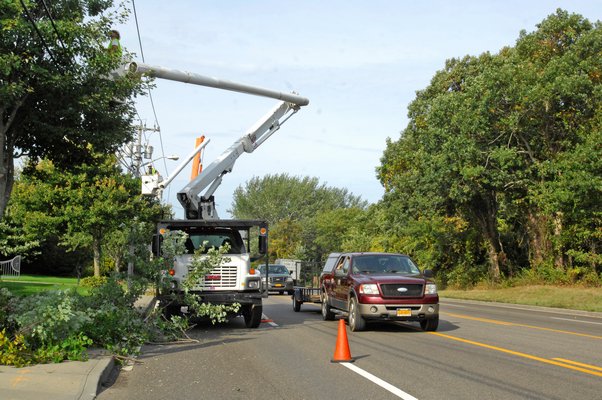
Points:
point(479, 352)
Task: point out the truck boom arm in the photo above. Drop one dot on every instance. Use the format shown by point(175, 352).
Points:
point(201, 206)
point(197, 205)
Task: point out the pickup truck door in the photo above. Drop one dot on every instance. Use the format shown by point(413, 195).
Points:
point(341, 283)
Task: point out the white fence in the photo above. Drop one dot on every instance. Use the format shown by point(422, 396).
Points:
point(11, 267)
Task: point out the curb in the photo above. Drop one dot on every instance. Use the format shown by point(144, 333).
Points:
point(99, 375)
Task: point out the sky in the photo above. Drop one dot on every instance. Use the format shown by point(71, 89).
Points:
point(360, 63)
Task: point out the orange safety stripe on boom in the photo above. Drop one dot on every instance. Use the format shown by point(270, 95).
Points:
point(197, 166)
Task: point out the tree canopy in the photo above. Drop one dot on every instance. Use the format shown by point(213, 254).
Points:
point(56, 98)
point(502, 152)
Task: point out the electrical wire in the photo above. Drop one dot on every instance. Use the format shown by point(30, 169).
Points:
point(150, 95)
point(35, 27)
point(58, 36)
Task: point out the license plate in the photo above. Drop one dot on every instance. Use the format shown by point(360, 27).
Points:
point(278, 285)
point(404, 312)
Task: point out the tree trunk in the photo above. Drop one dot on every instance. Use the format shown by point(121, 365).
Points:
point(96, 249)
point(7, 169)
point(559, 261)
point(117, 261)
point(485, 210)
point(539, 243)
point(7, 152)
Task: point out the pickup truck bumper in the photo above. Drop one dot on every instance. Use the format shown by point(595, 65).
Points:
point(399, 312)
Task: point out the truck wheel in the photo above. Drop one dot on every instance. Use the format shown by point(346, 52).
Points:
point(327, 314)
point(252, 315)
point(430, 324)
point(296, 304)
point(171, 310)
point(356, 321)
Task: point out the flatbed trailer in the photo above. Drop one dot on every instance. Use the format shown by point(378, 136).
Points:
point(305, 295)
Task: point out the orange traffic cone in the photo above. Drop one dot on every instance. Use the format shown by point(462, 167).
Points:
point(341, 352)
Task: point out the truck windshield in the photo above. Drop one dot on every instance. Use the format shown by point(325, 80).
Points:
point(384, 264)
point(214, 238)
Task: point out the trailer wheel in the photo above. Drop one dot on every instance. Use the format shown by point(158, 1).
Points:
point(252, 315)
point(296, 304)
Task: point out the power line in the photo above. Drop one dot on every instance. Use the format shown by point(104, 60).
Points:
point(35, 27)
point(150, 95)
point(58, 36)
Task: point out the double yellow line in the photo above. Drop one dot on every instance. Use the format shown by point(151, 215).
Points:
point(560, 362)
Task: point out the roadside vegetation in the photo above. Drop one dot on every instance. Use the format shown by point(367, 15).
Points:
point(566, 297)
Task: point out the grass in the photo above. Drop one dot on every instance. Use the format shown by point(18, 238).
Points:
point(569, 297)
point(25, 285)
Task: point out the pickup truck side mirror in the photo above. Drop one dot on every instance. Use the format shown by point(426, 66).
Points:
point(428, 273)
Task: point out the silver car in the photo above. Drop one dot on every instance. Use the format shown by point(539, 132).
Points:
point(280, 279)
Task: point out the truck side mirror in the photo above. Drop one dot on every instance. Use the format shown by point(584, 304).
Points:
point(428, 273)
point(263, 244)
point(156, 245)
point(263, 239)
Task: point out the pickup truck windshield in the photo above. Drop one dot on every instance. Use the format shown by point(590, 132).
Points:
point(274, 269)
point(384, 264)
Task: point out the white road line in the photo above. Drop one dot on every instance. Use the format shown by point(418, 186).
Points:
point(385, 385)
point(576, 320)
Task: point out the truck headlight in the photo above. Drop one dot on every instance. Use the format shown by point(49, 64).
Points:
point(369, 288)
point(430, 288)
point(289, 279)
point(253, 284)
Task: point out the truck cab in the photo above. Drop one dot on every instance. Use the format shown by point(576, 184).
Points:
point(234, 281)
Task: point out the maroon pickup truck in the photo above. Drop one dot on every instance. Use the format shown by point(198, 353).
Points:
point(378, 287)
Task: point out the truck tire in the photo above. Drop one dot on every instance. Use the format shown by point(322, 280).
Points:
point(252, 315)
point(327, 314)
point(171, 310)
point(296, 304)
point(356, 321)
point(430, 324)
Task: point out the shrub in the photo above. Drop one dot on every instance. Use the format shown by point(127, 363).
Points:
point(13, 351)
point(5, 299)
point(114, 323)
point(93, 281)
point(49, 317)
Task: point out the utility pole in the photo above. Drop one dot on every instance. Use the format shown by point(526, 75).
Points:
point(137, 151)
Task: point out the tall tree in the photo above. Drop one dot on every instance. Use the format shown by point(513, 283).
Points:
point(56, 98)
point(82, 207)
point(488, 138)
point(293, 206)
point(280, 197)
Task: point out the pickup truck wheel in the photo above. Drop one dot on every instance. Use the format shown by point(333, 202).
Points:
point(327, 314)
point(252, 315)
point(356, 321)
point(430, 324)
point(296, 304)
